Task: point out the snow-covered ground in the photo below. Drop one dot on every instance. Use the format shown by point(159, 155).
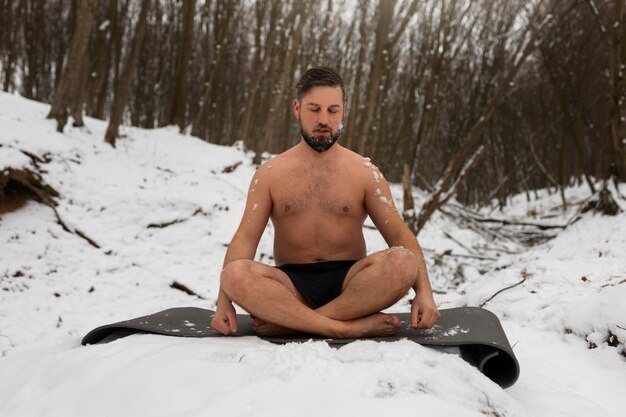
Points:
point(159, 209)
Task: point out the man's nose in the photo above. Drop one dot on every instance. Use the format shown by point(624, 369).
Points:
point(324, 117)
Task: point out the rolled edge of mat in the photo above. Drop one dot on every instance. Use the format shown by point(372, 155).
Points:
point(496, 364)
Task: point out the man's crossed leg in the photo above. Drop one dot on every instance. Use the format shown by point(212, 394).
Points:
point(371, 285)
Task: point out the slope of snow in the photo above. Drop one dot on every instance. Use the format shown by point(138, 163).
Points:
point(160, 209)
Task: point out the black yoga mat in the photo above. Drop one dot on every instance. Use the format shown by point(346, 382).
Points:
point(476, 332)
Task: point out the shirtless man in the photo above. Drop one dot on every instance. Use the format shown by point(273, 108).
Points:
point(318, 195)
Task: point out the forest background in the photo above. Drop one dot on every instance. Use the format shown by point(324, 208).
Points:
point(478, 99)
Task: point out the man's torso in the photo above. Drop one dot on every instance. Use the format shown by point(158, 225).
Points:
point(317, 207)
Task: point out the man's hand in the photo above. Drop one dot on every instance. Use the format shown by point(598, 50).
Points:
point(424, 313)
point(225, 319)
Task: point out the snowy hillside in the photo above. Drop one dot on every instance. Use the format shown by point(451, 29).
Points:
point(160, 209)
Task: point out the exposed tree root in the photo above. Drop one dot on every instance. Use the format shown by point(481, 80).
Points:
point(17, 186)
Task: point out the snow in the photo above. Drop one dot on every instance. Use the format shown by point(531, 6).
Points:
point(160, 210)
point(14, 159)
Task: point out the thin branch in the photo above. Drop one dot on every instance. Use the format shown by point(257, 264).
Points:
point(525, 277)
point(596, 15)
point(462, 174)
point(449, 236)
point(182, 287)
point(89, 240)
point(521, 223)
point(175, 221)
point(76, 232)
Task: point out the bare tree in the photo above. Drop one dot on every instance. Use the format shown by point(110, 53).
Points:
point(178, 112)
point(102, 57)
point(379, 68)
point(462, 162)
point(432, 61)
point(274, 27)
point(67, 90)
point(560, 74)
point(123, 88)
point(448, 95)
point(353, 108)
point(10, 19)
point(200, 125)
point(282, 65)
point(614, 33)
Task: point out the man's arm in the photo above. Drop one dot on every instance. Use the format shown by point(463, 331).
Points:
point(382, 210)
point(244, 243)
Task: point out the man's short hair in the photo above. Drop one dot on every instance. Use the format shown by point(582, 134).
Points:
point(319, 77)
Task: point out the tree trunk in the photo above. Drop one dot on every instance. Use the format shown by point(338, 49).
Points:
point(351, 127)
point(124, 83)
point(260, 72)
point(67, 88)
point(614, 38)
point(11, 22)
point(178, 112)
point(436, 64)
point(271, 126)
point(97, 86)
point(617, 54)
point(385, 15)
point(384, 46)
point(199, 127)
point(80, 95)
point(117, 35)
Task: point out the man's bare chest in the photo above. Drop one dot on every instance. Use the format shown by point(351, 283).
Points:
point(317, 193)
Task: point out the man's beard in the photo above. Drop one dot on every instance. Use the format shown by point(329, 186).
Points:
point(320, 143)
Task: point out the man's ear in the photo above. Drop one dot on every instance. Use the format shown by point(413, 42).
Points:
point(296, 108)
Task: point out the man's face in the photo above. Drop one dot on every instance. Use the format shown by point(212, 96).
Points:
point(320, 115)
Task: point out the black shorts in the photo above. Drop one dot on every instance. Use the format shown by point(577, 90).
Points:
point(319, 282)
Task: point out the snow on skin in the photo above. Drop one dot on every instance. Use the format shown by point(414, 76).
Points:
point(387, 202)
point(56, 287)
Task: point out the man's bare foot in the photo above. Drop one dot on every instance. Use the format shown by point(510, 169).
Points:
point(376, 325)
point(263, 328)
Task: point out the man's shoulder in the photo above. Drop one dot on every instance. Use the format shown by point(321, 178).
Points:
point(277, 161)
point(275, 165)
point(358, 162)
point(288, 154)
